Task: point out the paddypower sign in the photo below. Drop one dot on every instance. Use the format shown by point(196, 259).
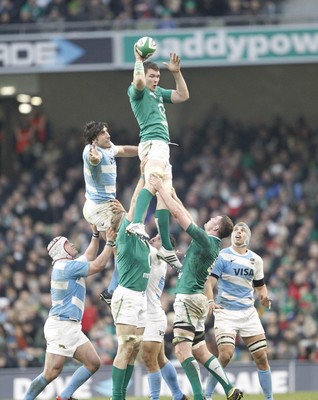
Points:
point(113, 50)
point(240, 46)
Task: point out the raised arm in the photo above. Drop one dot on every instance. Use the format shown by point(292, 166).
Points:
point(176, 198)
point(176, 208)
point(140, 185)
point(181, 93)
point(93, 247)
point(127, 151)
point(139, 79)
point(100, 262)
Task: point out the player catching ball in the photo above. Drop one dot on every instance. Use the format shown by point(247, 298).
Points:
point(147, 101)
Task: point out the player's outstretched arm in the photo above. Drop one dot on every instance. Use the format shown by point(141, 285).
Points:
point(181, 93)
point(176, 209)
point(126, 151)
point(176, 198)
point(100, 262)
point(140, 185)
point(139, 79)
point(93, 247)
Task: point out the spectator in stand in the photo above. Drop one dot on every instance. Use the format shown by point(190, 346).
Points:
point(56, 10)
point(277, 219)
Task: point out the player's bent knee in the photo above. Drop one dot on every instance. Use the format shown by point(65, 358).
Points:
point(257, 346)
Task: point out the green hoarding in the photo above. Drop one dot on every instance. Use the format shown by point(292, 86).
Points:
point(227, 46)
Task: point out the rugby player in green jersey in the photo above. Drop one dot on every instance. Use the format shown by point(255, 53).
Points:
point(191, 304)
point(147, 101)
point(129, 301)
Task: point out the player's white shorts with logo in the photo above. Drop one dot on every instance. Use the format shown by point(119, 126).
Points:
point(155, 327)
point(63, 337)
point(129, 307)
point(243, 322)
point(191, 309)
point(99, 214)
point(156, 150)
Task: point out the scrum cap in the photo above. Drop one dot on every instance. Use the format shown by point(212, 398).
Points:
point(56, 248)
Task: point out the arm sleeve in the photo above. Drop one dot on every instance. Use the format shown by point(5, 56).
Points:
point(133, 93)
point(166, 94)
point(114, 148)
point(77, 269)
point(198, 234)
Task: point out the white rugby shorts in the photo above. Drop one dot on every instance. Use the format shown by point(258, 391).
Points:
point(156, 150)
point(99, 214)
point(191, 309)
point(63, 337)
point(245, 323)
point(129, 307)
point(155, 327)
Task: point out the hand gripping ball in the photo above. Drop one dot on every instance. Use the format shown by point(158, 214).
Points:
point(146, 46)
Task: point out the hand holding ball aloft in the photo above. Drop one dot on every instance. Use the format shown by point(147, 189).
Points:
point(145, 47)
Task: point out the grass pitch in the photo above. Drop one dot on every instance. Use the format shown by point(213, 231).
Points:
point(284, 396)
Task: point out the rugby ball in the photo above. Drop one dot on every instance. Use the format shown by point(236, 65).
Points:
point(146, 46)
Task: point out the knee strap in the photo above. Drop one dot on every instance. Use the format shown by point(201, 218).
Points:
point(181, 338)
point(199, 340)
point(122, 339)
point(258, 345)
point(226, 340)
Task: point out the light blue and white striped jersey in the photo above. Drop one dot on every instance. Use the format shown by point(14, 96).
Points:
point(68, 288)
point(236, 274)
point(100, 180)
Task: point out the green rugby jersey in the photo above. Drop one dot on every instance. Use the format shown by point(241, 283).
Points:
point(133, 258)
point(148, 108)
point(199, 258)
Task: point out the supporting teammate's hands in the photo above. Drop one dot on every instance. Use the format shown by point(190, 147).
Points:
point(116, 206)
point(143, 163)
point(156, 182)
point(111, 235)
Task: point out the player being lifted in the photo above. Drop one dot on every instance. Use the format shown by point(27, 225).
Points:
point(147, 100)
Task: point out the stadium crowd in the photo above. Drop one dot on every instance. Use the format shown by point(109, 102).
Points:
point(262, 173)
point(30, 11)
